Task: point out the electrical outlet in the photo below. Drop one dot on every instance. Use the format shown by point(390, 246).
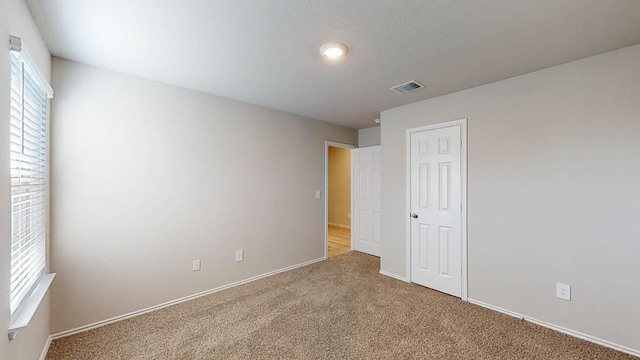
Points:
point(196, 265)
point(563, 291)
point(318, 193)
point(239, 255)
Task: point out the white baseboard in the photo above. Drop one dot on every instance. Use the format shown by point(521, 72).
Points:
point(339, 225)
point(586, 337)
point(45, 350)
point(561, 329)
point(176, 301)
point(397, 277)
point(495, 308)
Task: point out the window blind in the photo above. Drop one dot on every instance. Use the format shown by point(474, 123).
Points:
point(28, 154)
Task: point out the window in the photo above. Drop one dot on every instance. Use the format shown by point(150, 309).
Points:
point(28, 155)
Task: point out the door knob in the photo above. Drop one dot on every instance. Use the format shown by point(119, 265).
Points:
point(414, 215)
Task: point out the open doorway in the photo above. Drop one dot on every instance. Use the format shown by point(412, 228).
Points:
point(338, 198)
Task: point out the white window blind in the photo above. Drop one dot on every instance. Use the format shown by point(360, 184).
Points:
point(28, 154)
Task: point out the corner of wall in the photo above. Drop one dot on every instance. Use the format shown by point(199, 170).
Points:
point(369, 136)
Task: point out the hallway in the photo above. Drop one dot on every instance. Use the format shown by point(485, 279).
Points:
point(339, 240)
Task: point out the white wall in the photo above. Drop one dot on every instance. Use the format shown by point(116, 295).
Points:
point(15, 19)
point(147, 177)
point(369, 136)
point(553, 194)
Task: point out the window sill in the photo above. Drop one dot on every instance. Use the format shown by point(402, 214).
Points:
point(31, 305)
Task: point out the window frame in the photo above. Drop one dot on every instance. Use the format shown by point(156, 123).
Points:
point(34, 163)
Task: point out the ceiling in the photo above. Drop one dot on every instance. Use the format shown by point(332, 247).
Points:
point(266, 52)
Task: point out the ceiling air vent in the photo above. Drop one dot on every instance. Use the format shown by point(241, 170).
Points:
point(409, 86)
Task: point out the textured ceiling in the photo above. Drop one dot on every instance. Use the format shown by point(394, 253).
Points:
point(266, 52)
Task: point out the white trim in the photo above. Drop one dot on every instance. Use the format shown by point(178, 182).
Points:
point(30, 305)
point(495, 308)
point(339, 225)
point(351, 201)
point(561, 329)
point(586, 337)
point(328, 143)
point(16, 45)
point(397, 277)
point(407, 204)
point(463, 197)
point(178, 301)
point(45, 349)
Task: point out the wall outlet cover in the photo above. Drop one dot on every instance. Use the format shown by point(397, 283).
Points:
point(196, 265)
point(563, 291)
point(239, 255)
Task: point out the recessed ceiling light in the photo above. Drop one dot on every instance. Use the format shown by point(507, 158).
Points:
point(333, 50)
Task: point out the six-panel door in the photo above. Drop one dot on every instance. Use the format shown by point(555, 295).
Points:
point(365, 227)
point(436, 209)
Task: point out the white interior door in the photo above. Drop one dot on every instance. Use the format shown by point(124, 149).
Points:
point(365, 213)
point(436, 209)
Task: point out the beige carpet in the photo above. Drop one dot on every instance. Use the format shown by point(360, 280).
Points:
point(337, 309)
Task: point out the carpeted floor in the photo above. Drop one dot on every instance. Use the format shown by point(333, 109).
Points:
point(337, 309)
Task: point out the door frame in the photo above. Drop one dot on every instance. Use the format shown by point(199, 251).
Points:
point(327, 144)
point(463, 196)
